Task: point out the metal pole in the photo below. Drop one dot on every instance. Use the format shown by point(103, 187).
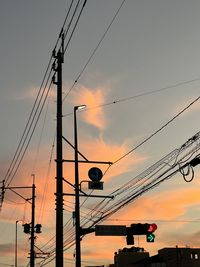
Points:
point(16, 243)
point(32, 252)
point(77, 206)
point(59, 167)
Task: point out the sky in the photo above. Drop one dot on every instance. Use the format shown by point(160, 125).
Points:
point(142, 74)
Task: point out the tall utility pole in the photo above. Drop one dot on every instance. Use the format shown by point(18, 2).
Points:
point(32, 252)
point(59, 164)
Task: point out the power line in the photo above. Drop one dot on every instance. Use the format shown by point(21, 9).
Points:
point(137, 96)
point(22, 146)
point(20, 158)
point(139, 191)
point(154, 133)
point(94, 51)
point(152, 220)
point(139, 187)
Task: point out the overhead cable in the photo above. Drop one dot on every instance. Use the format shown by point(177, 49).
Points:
point(94, 51)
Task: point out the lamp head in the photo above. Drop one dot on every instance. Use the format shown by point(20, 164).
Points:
point(79, 107)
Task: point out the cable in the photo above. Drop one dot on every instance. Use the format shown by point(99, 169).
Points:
point(94, 51)
point(18, 150)
point(42, 206)
point(76, 23)
point(62, 28)
point(157, 131)
point(30, 137)
point(137, 186)
point(137, 96)
point(152, 220)
point(32, 114)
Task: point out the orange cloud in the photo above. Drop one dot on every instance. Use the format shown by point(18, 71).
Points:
point(102, 151)
point(94, 149)
point(162, 205)
point(93, 98)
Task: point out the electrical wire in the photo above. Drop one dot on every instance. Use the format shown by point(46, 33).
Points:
point(76, 23)
point(152, 220)
point(94, 51)
point(136, 96)
point(14, 165)
point(150, 178)
point(42, 206)
point(28, 139)
point(154, 133)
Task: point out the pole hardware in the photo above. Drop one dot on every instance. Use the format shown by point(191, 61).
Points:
point(29, 228)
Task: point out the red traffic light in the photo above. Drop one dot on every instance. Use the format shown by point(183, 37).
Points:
point(142, 228)
point(152, 227)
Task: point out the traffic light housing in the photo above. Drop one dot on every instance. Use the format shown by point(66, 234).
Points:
point(27, 228)
point(143, 229)
point(150, 237)
point(38, 228)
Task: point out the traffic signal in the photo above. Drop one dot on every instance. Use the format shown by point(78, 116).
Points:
point(150, 237)
point(38, 228)
point(27, 228)
point(144, 229)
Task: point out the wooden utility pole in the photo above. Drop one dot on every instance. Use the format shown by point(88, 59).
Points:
point(32, 252)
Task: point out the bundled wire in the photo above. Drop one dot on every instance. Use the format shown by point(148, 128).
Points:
point(159, 172)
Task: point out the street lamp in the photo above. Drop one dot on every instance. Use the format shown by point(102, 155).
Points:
point(16, 241)
point(77, 205)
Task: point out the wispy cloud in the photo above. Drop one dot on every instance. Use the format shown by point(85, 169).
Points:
point(92, 98)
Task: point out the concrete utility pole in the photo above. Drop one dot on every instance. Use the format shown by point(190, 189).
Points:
point(32, 252)
point(59, 164)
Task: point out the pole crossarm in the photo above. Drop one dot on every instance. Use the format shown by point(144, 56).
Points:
point(89, 161)
point(86, 195)
point(20, 187)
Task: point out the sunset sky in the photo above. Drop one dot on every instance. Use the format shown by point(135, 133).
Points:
point(137, 64)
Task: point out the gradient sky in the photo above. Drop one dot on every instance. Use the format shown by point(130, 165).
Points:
point(151, 45)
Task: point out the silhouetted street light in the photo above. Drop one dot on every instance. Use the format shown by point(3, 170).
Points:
point(77, 205)
point(16, 241)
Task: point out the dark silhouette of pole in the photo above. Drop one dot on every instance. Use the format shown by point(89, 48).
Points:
point(59, 166)
point(77, 206)
point(16, 243)
point(32, 252)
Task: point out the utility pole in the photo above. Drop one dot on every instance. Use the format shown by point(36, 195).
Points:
point(32, 252)
point(59, 162)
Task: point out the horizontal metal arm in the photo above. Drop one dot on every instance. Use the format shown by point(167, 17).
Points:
point(89, 161)
point(86, 195)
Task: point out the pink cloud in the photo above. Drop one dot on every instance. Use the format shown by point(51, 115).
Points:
point(100, 150)
point(93, 98)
